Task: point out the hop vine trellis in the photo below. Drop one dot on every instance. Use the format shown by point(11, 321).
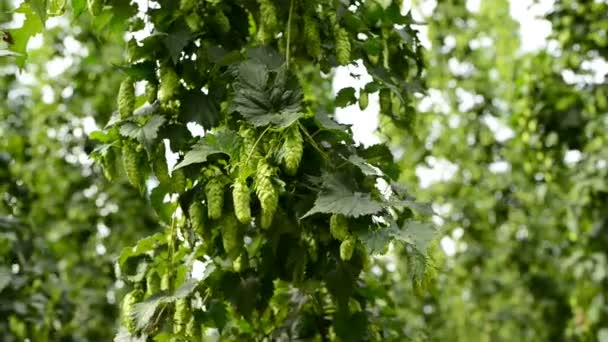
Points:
point(276, 199)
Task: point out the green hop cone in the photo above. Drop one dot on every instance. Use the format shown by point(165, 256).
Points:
point(178, 181)
point(214, 190)
point(193, 329)
point(182, 315)
point(241, 201)
point(241, 263)
point(231, 237)
point(159, 166)
point(249, 137)
point(169, 84)
point(134, 163)
point(109, 163)
point(385, 100)
point(363, 99)
point(165, 282)
point(95, 7)
point(151, 92)
point(152, 284)
point(128, 306)
point(198, 219)
point(338, 227)
point(312, 40)
point(342, 46)
point(126, 98)
point(347, 247)
point(266, 192)
point(268, 17)
point(293, 149)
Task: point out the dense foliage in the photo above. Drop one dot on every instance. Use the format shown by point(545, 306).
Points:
point(174, 171)
point(275, 204)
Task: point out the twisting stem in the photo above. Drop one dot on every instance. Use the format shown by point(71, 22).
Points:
point(288, 33)
point(312, 141)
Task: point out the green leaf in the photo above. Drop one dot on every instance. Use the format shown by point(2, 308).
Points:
point(266, 97)
point(144, 311)
point(176, 39)
point(200, 108)
point(145, 134)
point(224, 141)
point(418, 234)
point(31, 26)
point(143, 246)
point(337, 198)
point(364, 166)
point(376, 240)
point(346, 97)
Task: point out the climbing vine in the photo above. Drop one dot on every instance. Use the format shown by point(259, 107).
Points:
point(272, 213)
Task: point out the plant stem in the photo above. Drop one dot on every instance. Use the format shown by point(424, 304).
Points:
point(288, 33)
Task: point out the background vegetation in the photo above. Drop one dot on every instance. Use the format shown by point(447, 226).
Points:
point(522, 226)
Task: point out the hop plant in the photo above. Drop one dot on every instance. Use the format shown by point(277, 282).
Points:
point(249, 138)
point(109, 160)
point(292, 151)
point(178, 181)
point(151, 91)
point(312, 40)
point(133, 162)
point(266, 192)
point(342, 46)
point(221, 21)
point(169, 84)
point(214, 190)
point(231, 238)
point(126, 98)
point(240, 197)
point(159, 166)
point(198, 219)
point(152, 283)
point(241, 263)
point(347, 247)
point(182, 315)
point(128, 304)
point(268, 17)
point(165, 282)
point(193, 329)
point(338, 227)
point(95, 7)
point(363, 99)
point(385, 100)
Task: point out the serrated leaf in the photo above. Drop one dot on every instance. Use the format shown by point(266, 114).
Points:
point(337, 198)
point(266, 97)
point(144, 311)
point(143, 246)
point(224, 141)
point(377, 239)
point(177, 39)
point(364, 166)
point(418, 234)
point(39, 7)
point(145, 134)
point(328, 123)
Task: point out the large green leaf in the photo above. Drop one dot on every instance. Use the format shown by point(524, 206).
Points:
point(146, 134)
point(32, 25)
point(223, 141)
